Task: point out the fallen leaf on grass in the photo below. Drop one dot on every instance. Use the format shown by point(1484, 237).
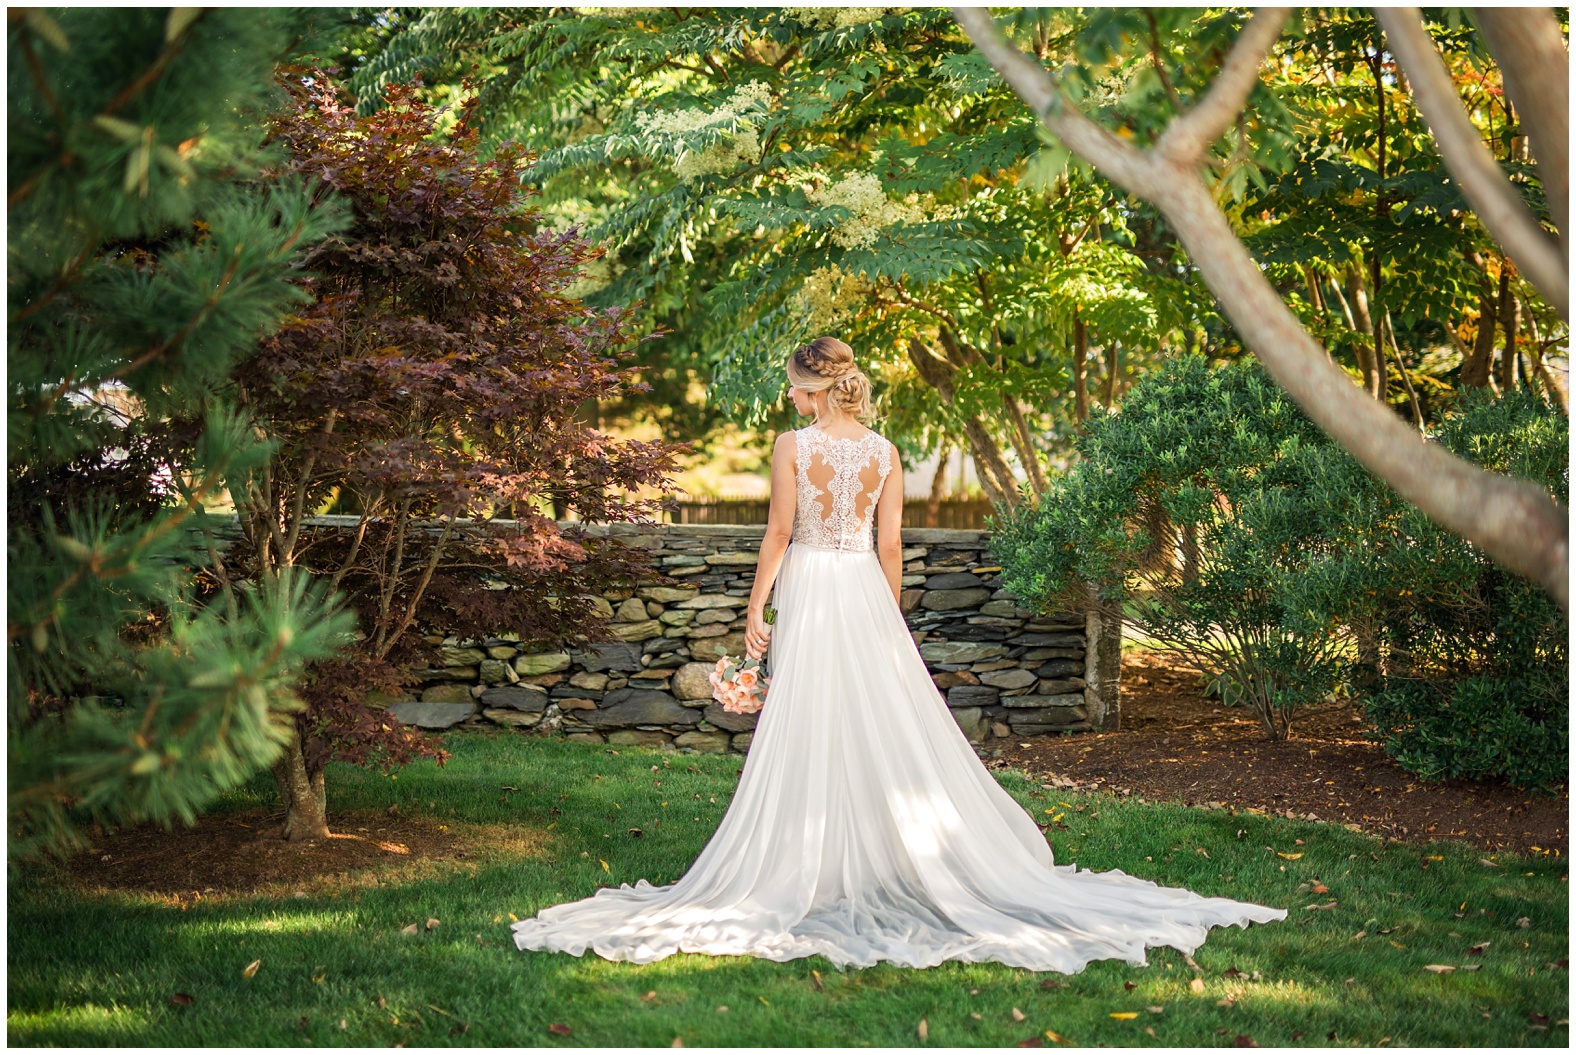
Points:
point(561, 1030)
point(1124, 1015)
point(1032, 1042)
point(1018, 1016)
point(1537, 1018)
point(1197, 985)
point(409, 930)
point(1232, 972)
point(1244, 1041)
point(1320, 908)
point(815, 977)
point(763, 1000)
point(1289, 857)
point(1129, 986)
point(923, 1031)
point(1226, 1001)
point(678, 1042)
point(251, 968)
point(459, 1029)
point(432, 924)
point(1320, 888)
point(1154, 1009)
point(648, 997)
point(182, 1000)
point(1359, 934)
point(1438, 968)
point(1055, 1037)
point(605, 868)
point(1477, 950)
point(1051, 983)
point(1203, 853)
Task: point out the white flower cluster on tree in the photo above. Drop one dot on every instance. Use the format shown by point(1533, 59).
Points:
point(743, 146)
point(830, 297)
point(824, 18)
point(861, 194)
point(722, 156)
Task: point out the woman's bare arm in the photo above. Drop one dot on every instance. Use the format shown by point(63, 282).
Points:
point(779, 532)
point(889, 528)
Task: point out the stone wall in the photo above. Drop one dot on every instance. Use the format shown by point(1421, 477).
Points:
point(1004, 671)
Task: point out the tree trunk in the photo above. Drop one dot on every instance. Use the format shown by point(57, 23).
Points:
point(1080, 369)
point(938, 486)
point(1531, 54)
point(1357, 298)
point(1510, 321)
point(995, 477)
point(1112, 351)
point(1477, 367)
point(1400, 368)
point(1552, 388)
point(1189, 553)
point(303, 794)
point(1314, 284)
point(1023, 443)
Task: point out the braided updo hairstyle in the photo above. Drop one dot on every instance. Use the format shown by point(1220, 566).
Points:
point(827, 364)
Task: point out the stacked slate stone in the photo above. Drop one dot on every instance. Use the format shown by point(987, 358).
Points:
point(1003, 672)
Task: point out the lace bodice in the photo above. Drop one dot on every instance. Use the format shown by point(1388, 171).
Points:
point(839, 482)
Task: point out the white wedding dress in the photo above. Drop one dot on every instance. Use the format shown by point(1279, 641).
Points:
point(864, 827)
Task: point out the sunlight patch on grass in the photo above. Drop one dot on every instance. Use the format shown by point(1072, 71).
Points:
point(77, 1021)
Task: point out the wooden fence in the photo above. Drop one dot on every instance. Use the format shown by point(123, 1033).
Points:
point(964, 513)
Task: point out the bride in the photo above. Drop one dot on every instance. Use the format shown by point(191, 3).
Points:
point(864, 828)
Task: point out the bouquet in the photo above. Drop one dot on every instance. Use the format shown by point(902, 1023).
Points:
point(740, 684)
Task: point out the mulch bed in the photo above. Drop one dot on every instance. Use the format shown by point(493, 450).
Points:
point(1177, 745)
point(242, 853)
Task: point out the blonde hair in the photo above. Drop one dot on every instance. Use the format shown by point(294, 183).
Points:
point(826, 364)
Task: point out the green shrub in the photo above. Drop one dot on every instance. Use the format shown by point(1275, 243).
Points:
point(1473, 659)
point(1199, 500)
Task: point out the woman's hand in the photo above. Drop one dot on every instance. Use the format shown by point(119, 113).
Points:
point(757, 635)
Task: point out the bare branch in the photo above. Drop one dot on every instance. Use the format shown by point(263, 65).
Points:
point(1187, 138)
point(1496, 202)
point(1530, 49)
point(1513, 521)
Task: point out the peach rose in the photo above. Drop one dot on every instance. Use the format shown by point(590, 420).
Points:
point(747, 679)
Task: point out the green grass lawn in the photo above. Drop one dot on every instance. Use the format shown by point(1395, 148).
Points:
point(336, 969)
